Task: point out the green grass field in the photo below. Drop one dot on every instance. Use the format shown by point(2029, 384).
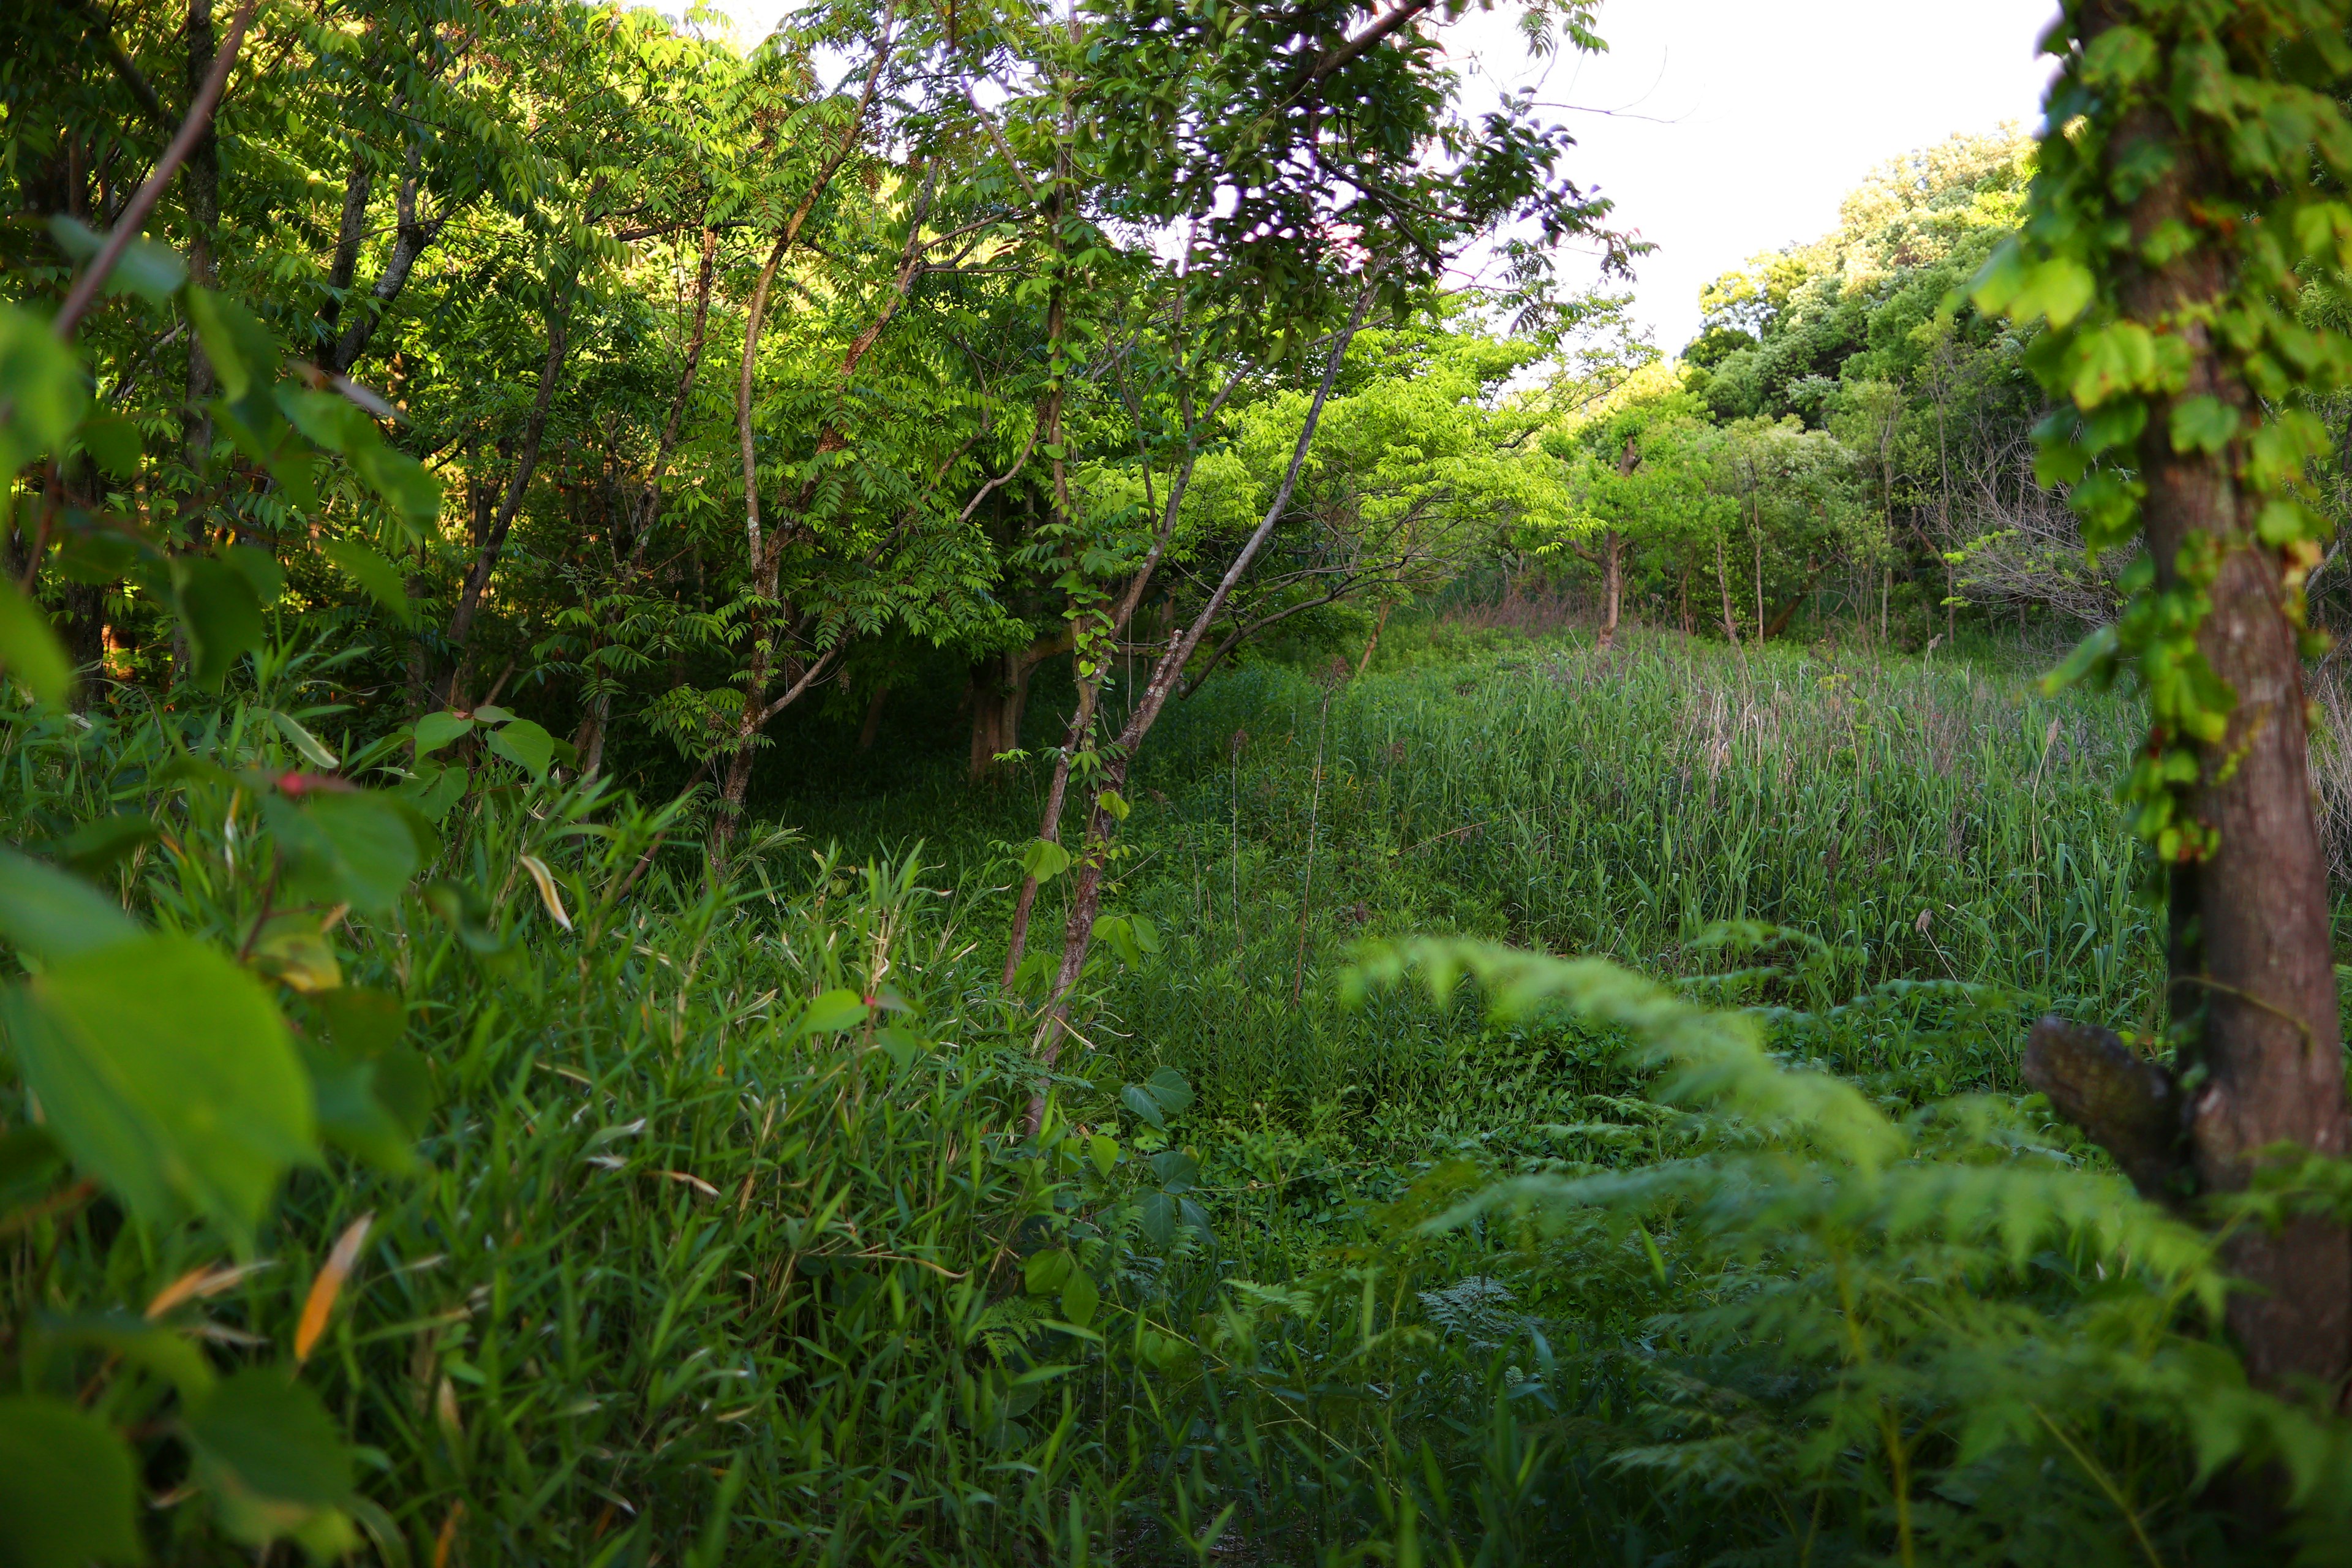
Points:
point(1768, 1266)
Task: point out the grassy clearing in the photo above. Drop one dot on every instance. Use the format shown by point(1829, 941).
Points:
point(698, 1270)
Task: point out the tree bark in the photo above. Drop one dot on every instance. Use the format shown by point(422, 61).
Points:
point(490, 541)
point(202, 194)
point(648, 504)
point(2252, 985)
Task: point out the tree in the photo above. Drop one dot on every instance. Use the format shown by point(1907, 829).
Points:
point(2195, 179)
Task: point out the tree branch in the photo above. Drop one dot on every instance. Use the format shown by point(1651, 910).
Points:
point(2131, 1108)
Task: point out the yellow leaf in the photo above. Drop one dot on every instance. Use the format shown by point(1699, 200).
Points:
point(547, 894)
point(329, 1282)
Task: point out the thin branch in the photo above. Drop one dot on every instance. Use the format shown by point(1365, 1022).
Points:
point(134, 216)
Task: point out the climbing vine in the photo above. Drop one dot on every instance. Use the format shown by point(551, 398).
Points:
point(2190, 190)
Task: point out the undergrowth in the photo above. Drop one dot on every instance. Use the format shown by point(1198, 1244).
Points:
point(724, 1243)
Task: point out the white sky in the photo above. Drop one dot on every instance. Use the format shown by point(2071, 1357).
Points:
point(1734, 126)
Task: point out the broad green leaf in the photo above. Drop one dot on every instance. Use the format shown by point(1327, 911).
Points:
point(223, 615)
point(1104, 1148)
point(241, 348)
point(30, 649)
point(405, 484)
point(68, 1488)
point(2118, 358)
point(46, 390)
point(167, 1073)
point(272, 1460)
point(526, 745)
point(1169, 1087)
point(1175, 1170)
point(1137, 1098)
point(1079, 1298)
point(1043, 1273)
point(371, 845)
point(1157, 1218)
point(162, 1351)
point(53, 915)
point(833, 1011)
point(377, 576)
point(260, 571)
point(153, 271)
point(435, 731)
point(97, 846)
point(1043, 859)
point(114, 444)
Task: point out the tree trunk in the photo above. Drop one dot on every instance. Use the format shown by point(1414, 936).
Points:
point(201, 186)
point(1612, 585)
point(2252, 974)
point(1093, 858)
point(1723, 585)
point(872, 728)
point(2251, 986)
point(1372, 642)
point(491, 540)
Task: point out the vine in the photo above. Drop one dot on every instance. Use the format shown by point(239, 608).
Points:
point(2190, 187)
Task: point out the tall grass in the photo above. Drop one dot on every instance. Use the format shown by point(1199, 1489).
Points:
point(698, 1270)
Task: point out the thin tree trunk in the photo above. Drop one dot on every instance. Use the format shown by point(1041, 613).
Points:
point(1613, 557)
point(493, 538)
point(1380, 625)
point(412, 236)
point(1086, 890)
point(648, 507)
point(201, 187)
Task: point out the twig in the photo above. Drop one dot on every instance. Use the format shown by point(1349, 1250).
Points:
point(127, 227)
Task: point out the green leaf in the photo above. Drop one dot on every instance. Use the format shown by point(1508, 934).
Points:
point(2202, 424)
point(1043, 859)
point(68, 1488)
point(272, 1460)
point(241, 348)
point(260, 571)
point(1174, 1170)
point(52, 915)
point(167, 1073)
point(153, 271)
point(30, 649)
point(159, 1349)
point(2116, 358)
point(114, 444)
point(371, 846)
point(833, 1011)
point(1157, 1218)
point(1111, 801)
point(1137, 1098)
point(435, 731)
point(46, 391)
point(1169, 1087)
point(378, 577)
point(223, 615)
point(302, 741)
point(1104, 1150)
point(1043, 1273)
point(1079, 1298)
point(405, 484)
point(97, 846)
point(526, 745)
